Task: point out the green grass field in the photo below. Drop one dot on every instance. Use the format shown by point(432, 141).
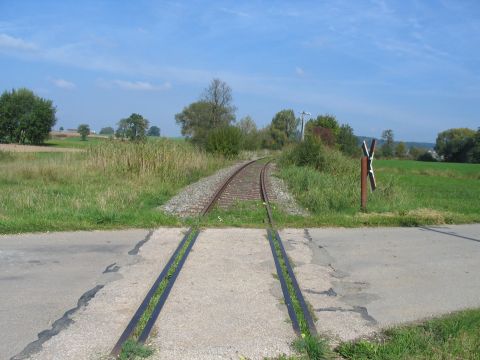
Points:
point(75, 142)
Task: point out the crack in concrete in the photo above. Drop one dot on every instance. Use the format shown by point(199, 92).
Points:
point(329, 292)
point(137, 247)
point(57, 326)
point(306, 235)
point(111, 268)
point(361, 310)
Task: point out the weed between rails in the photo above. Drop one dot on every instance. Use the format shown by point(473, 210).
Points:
point(156, 296)
point(313, 347)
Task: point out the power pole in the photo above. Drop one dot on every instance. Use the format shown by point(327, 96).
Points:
point(303, 124)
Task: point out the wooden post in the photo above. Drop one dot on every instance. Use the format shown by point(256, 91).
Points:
point(363, 183)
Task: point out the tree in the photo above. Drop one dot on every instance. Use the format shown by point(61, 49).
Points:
point(324, 121)
point(213, 110)
point(456, 145)
point(61, 128)
point(347, 141)
point(283, 128)
point(107, 131)
point(219, 96)
point(387, 147)
point(250, 134)
point(84, 131)
point(25, 117)
point(154, 131)
point(134, 127)
point(475, 152)
point(401, 150)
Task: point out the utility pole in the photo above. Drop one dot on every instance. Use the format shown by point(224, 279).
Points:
point(303, 124)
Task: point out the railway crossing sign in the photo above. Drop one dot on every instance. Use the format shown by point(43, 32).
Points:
point(369, 155)
point(367, 171)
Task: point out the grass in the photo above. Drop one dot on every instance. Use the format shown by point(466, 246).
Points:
point(161, 288)
point(75, 142)
point(409, 193)
point(132, 350)
point(113, 185)
point(455, 336)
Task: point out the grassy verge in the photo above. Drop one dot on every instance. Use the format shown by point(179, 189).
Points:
point(113, 185)
point(409, 193)
point(455, 336)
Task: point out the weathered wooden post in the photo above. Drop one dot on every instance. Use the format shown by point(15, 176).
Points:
point(367, 170)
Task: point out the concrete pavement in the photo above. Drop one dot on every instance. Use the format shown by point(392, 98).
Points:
point(359, 280)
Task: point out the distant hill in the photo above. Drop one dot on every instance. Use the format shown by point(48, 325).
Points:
point(409, 144)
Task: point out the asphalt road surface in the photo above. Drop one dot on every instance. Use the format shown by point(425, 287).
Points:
point(42, 276)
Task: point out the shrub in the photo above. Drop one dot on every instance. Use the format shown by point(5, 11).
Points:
point(307, 153)
point(226, 141)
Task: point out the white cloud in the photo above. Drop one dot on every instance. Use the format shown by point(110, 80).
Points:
point(299, 71)
point(63, 84)
point(10, 42)
point(133, 85)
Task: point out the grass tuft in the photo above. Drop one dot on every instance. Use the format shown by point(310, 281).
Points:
point(132, 350)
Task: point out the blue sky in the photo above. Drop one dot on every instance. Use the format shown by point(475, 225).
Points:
point(410, 66)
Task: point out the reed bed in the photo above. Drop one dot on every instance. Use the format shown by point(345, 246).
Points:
point(169, 160)
point(110, 185)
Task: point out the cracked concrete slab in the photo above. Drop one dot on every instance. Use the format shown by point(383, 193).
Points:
point(226, 302)
point(75, 290)
point(360, 280)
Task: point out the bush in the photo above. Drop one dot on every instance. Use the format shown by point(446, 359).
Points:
point(310, 152)
point(426, 156)
point(226, 141)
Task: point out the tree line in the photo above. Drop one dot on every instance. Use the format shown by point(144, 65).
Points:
point(211, 123)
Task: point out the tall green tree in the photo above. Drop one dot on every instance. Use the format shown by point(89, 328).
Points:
point(134, 128)
point(326, 121)
point(25, 117)
point(456, 145)
point(283, 128)
point(214, 109)
point(347, 141)
point(84, 131)
point(401, 150)
point(107, 131)
point(387, 148)
point(248, 128)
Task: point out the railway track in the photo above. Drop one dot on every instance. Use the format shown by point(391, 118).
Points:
point(142, 322)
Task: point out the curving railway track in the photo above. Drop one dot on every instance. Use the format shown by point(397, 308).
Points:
point(253, 177)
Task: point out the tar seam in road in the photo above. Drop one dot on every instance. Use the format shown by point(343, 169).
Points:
point(137, 247)
point(57, 326)
point(449, 233)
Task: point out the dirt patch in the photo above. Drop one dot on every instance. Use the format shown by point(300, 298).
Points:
point(34, 148)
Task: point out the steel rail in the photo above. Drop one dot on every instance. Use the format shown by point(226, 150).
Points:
point(127, 333)
point(222, 188)
point(272, 232)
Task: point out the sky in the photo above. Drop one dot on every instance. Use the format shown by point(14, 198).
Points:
point(412, 66)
